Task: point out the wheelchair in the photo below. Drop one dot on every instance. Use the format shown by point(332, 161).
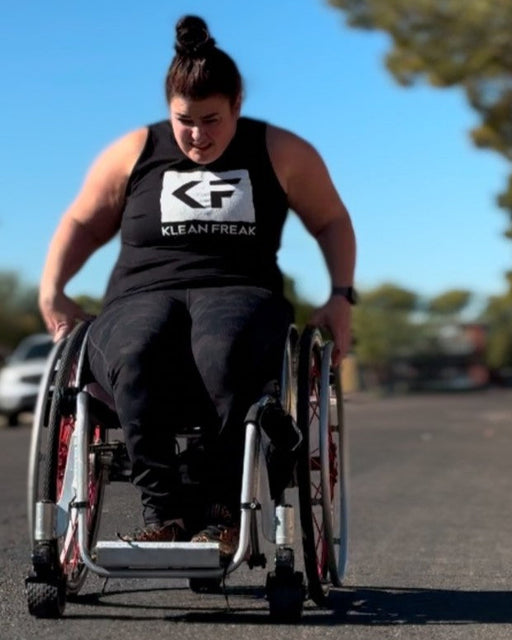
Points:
point(74, 458)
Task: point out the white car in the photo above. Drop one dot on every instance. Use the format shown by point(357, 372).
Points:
point(21, 375)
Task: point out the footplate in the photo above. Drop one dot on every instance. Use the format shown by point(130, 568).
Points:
point(157, 555)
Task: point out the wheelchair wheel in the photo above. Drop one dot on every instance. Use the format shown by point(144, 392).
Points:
point(59, 570)
point(320, 468)
point(39, 436)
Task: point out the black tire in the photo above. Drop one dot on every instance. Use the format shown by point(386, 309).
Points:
point(285, 595)
point(314, 542)
point(61, 425)
point(39, 436)
point(46, 599)
point(61, 407)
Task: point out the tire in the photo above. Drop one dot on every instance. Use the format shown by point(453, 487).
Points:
point(39, 436)
point(12, 419)
point(61, 425)
point(318, 471)
point(285, 595)
point(46, 599)
point(61, 408)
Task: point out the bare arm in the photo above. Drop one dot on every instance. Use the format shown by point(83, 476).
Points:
point(90, 222)
point(314, 198)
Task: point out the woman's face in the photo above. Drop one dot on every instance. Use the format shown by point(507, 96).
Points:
point(203, 128)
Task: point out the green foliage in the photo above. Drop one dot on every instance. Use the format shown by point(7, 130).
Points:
point(382, 325)
point(464, 43)
point(19, 311)
point(19, 315)
point(390, 297)
point(382, 335)
point(450, 303)
point(89, 304)
point(498, 318)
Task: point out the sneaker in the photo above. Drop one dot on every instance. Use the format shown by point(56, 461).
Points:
point(156, 532)
point(222, 530)
point(226, 536)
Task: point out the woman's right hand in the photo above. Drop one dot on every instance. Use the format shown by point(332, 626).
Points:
point(60, 314)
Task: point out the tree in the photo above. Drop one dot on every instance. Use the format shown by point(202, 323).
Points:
point(383, 329)
point(89, 304)
point(450, 303)
point(390, 297)
point(442, 328)
point(19, 311)
point(498, 317)
point(463, 43)
point(19, 315)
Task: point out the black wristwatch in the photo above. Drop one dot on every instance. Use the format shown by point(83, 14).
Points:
point(347, 292)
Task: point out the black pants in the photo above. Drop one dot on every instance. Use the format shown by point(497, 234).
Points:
point(175, 357)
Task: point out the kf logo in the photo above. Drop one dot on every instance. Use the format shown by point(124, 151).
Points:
point(216, 195)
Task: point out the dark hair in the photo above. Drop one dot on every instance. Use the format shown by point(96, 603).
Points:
point(200, 69)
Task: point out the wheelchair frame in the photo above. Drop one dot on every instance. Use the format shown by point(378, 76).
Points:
point(71, 460)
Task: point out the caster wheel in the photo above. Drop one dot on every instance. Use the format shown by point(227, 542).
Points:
point(205, 585)
point(285, 595)
point(46, 599)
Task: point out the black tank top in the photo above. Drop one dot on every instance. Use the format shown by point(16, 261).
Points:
point(188, 225)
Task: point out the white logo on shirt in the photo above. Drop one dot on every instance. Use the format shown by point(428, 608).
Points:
point(207, 196)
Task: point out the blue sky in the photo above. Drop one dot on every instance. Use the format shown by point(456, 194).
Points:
point(75, 76)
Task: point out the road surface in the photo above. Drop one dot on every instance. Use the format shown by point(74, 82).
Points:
point(430, 540)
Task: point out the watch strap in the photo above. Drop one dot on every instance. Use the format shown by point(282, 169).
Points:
point(347, 292)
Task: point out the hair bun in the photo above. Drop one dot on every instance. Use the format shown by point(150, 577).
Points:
point(192, 37)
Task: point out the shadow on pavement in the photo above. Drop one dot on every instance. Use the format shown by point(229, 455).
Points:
point(358, 606)
point(390, 605)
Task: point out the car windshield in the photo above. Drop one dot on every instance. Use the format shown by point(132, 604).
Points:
point(31, 351)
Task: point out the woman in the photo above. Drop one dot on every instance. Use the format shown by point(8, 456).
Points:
point(194, 313)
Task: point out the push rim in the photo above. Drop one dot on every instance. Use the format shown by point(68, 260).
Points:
point(333, 465)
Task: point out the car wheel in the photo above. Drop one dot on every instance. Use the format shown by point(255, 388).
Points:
point(12, 419)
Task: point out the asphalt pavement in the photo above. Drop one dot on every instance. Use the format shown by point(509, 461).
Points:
point(430, 540)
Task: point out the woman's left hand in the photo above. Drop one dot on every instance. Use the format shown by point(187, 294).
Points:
point(335, 315)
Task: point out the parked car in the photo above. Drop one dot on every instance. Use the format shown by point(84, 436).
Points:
point(21, 375)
